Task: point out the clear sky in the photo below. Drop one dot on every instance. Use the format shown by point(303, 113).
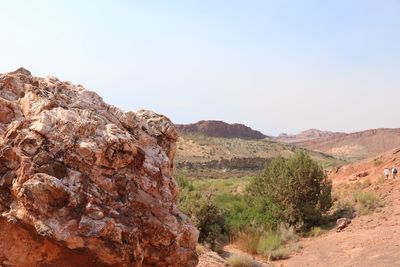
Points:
point(277, 66)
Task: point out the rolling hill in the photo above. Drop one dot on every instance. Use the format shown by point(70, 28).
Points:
point(216, 148)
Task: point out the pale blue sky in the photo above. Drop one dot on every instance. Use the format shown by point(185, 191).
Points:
point(277, 66)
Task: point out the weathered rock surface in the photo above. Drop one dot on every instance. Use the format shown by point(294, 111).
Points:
point(83, 183)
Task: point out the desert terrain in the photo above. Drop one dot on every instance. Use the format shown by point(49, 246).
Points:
point(371, 239)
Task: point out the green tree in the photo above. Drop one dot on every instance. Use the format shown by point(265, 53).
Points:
point(295, 191)
point(208, 218)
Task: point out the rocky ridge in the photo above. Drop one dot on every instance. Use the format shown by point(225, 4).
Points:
point(84, 182)
point(213, 128)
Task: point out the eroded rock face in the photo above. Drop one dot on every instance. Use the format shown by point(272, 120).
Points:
point(84, 176)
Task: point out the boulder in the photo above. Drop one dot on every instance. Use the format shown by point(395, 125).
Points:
point(342, 223)
point(83, 183)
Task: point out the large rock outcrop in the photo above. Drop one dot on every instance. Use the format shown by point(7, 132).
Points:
point(83, 183)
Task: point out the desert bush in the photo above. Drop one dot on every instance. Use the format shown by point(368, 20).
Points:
point(208, 218)
point(210, 221)
point(279, 254)
point(293, 191)
point(184, 183)
point(287, 233)
point(237, 260)
point(268, 243)
point(366, 202)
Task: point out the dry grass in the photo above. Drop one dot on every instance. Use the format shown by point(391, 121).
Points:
point(279, 254)
point(270, 244)
point(239, 261)
point(366, 202)
point(200, 249)
point(247, 242)
point(317, 231)
point(356, 197)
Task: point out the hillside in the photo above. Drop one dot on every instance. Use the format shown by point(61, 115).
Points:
point(372, 239)
point(367, 169)
point(199, 152)
point(213, 128)
point(352, 146)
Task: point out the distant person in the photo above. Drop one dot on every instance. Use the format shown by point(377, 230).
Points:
point(386, 173)
point(394, 172)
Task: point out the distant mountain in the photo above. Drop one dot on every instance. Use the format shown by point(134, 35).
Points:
point(213, 128)
point(307, 135)
point(350, 146)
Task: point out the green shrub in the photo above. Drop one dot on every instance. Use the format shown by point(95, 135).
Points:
point(366, 202)
point(184, 183)
point(268, 243)
point(294, 191)
point(208, 218)
point(239, 261)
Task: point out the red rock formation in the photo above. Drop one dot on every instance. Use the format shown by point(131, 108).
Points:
point(83, 183)
point(220, 129)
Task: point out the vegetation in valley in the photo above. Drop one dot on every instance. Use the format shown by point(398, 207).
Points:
point(260, 214)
